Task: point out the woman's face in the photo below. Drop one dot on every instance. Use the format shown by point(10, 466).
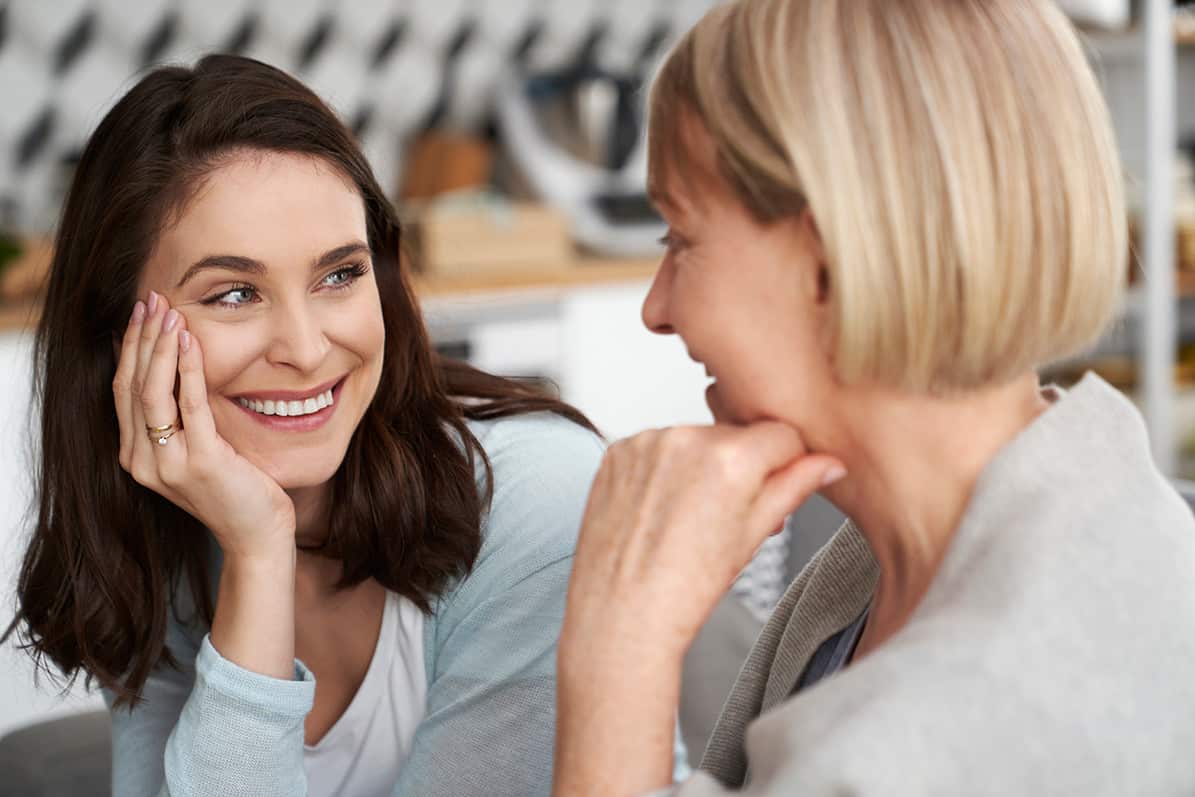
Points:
point(270, 267)
point(747, 300)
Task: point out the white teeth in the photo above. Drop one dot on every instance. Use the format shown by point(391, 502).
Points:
point(289, 408)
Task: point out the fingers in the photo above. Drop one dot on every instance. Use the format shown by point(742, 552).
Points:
point(791, 486)
point(770, 445)
point(192, 396)
point(155, 311)
point(153, 399)
point(764, 467)
point(122, 383)
point(157, 400)
point(157, 390)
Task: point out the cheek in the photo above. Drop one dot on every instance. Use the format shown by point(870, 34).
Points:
point(373, 337)
point(227, 351)
point(360, 327)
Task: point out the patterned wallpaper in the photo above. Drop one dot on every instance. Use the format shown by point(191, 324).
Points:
point(389, 67)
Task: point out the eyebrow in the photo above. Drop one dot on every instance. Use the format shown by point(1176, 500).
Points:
point(247, 265)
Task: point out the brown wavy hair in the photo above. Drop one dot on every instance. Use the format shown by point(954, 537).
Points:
point(107, 555)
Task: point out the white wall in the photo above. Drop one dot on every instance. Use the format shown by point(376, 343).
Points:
point(626, 378)
point(20, 701)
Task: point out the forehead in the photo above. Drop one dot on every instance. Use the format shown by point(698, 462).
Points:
point(278, 208)
point(683, 172)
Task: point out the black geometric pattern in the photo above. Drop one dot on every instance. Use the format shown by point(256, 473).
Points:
point(391, 68)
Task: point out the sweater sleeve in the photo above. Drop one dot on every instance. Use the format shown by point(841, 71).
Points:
point(491, 704)
point(211, 727)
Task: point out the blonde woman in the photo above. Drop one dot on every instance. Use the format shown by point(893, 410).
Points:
point(885, 216)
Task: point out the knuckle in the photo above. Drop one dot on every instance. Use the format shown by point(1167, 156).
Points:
point(645, 441)
point(619, 448)
point(170, 475)
point(617, 452)
point(143, 474)
point(727, 461)
point(680, 440)
point(188, 403)
point(201, 467)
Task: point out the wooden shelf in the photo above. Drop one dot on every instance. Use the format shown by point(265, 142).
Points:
point(582, 272)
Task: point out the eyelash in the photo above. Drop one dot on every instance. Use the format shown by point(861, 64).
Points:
point(671, 241)
point(353, 272)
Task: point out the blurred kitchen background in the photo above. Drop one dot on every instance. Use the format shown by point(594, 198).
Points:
point(509, 133)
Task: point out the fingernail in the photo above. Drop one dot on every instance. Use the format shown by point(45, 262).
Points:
point(171, 320)
point(834, 474)
point(153, 302)
point(184, 340)
point(138, 312)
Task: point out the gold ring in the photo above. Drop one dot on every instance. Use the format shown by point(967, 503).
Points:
point(160, 434)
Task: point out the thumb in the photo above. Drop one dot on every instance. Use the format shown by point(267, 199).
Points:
point(790, 486)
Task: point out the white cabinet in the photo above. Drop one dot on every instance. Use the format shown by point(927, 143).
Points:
point(591, 342)
point(20, 703)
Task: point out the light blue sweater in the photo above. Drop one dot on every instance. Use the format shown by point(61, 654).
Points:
point(214, 728)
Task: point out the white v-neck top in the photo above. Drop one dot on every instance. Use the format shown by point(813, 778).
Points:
point(361, 755)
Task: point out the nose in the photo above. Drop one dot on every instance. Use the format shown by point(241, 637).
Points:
point(655, 306)
point(297, 338)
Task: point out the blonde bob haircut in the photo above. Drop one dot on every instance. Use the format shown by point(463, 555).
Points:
point(956, 156)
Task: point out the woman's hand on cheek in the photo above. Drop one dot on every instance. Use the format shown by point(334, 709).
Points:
point(673, 517)
point(196, 469)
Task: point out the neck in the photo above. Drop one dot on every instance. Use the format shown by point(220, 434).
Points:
point(913, 467)
point(316, 575)
point(311, 515)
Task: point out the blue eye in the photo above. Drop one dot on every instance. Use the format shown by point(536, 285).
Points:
point(344, 277)
point(237, 297)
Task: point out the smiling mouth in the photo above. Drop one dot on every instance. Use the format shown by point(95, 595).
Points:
point(292, 408)
point(292, 405)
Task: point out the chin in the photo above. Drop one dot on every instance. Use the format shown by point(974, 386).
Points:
point(298, 478)
point(298, 473)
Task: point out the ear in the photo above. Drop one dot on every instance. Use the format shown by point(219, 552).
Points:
point(814, 254)
point(820, 286)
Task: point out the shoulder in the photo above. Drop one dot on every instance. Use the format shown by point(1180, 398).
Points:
point(539, 441)
point(543, 467)
point(1050, 639)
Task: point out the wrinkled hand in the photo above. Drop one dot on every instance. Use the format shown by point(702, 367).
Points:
point(196, 469)
point(673, 517)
